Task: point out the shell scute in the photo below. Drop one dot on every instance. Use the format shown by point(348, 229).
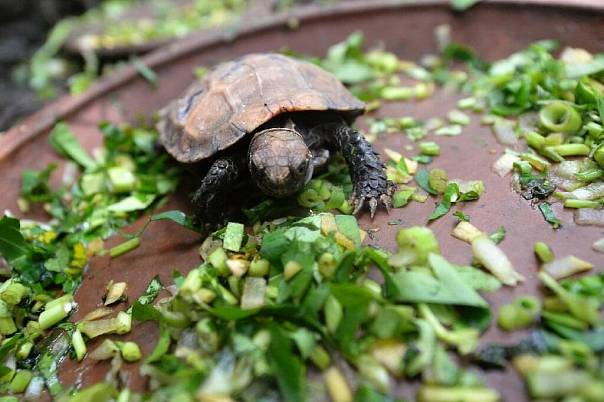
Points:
point(237, 97)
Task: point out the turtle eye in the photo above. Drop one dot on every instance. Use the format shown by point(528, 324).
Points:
point(301, 168)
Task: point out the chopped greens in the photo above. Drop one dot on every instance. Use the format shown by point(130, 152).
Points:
point(452, 195)
point(117, 25)
point(65, 143)
point(47, 260)
point(149, 75)
point(317, 297)
point(549, 215)
point(272, 305)
point(556, 105)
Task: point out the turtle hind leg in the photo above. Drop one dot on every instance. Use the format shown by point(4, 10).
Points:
point(367, 171)
point(211, 198)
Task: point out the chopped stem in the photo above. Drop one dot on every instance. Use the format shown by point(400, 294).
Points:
point(543, 251)
point(125, 247)
point(79, 346)
point(572, 149)
point(572, 203)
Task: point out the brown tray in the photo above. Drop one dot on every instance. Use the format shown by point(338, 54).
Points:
point(494, 29)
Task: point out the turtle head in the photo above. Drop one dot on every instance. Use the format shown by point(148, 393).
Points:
point(280, 162)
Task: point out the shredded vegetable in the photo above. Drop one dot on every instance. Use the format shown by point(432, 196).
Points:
point(274, 303)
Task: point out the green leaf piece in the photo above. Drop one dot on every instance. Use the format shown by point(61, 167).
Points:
point(65, 143)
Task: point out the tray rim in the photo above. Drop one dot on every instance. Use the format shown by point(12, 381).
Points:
point(41, 121)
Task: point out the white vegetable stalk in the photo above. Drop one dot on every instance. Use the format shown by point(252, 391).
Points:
point(589, 216)
point(495, 260)
point(504, 132)
point(254, 290)
point(505, 164)
point(115, 291)
point(592, 191)
point(566, 266)
point(467, 232)
point(598, 245)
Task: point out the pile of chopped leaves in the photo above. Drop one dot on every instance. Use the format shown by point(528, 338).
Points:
point(298, 308)
point(548, 111)
point(43, 262)
point(166, 21)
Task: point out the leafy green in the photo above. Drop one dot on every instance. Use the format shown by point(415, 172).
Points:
point(461, 216)
point(515, 84)
point(13, 246)
point(444, 287)
point(60, 261)
point(41, 77)
point(402, 197)
point(421, 353)
point(477, 279)
point(65, 143)
point(35, 186)
point(176, 216)
point(150, 294)
point(161, 347)
point(367, 394)
point(498, 235)
point(422, 179)
point(415, 245)
point(346, 61)
point(286, 366)
point(458, 52)
point(451, 193)
point(582, 307)
point(600, 106)
point(461, 5)
point(347, 225)
point(259, 212)
point(549, 215)
point(145, 312)
point(149, 75)
point(99, 392)
point(135, 202)
point(233, 236)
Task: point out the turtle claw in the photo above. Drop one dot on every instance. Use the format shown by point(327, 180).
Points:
point(358, 204)
point(372, 207)
point(384, 199)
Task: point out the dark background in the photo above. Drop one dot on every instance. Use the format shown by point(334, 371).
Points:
point(23, 28)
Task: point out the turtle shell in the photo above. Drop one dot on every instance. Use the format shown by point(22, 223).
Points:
point(237, 97)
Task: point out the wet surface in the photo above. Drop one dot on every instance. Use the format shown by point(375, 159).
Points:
point(495, 31)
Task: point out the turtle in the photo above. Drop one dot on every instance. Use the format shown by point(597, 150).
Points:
point(276, 120)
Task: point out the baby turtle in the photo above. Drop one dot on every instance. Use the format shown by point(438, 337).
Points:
point(275, 119)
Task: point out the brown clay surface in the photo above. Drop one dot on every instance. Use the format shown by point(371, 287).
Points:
point(494, 30)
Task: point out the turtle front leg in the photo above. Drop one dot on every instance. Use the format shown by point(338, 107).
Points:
point(366, 170)
point(210, 198)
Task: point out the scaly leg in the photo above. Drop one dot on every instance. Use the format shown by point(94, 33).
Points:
point(211, 197)
point(366, 169)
